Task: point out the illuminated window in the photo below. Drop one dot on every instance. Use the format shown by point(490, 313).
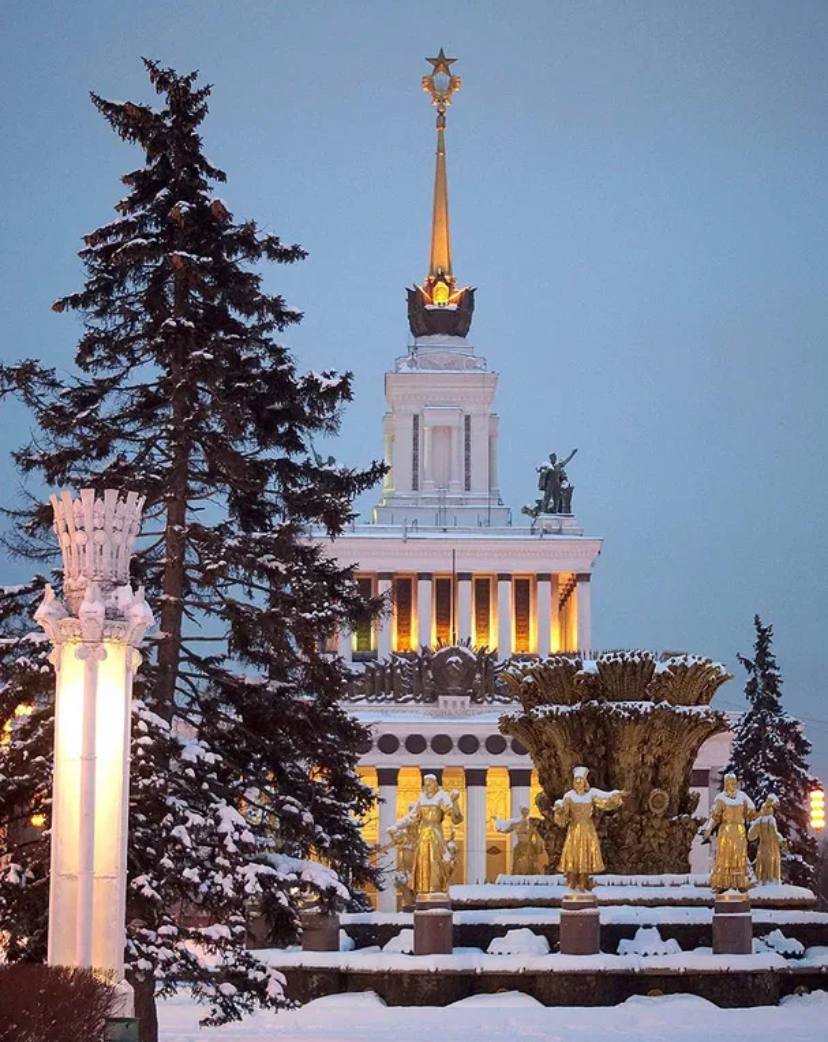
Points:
point(482, 611)
point(403, 613)
point(443, 610)
point(522, 592)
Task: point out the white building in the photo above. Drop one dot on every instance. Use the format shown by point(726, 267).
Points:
point(443, 548)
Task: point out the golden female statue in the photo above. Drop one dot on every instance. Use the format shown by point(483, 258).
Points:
point(433, 857)
point(581, 854)
point(403, 837)
point(529, 849)
point(768, 864)
point(731, 811)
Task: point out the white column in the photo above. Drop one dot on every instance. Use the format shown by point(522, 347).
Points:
point(95, 636)
point(424, 609)
point(427, 469)
point(475, 825)
point(555, 613)
point(582, 607)
point(387, 782)
point(385, 623)
point(345, 645)
point(464, 605)
point(504, 615)
point(544, 617)
point(520, 795)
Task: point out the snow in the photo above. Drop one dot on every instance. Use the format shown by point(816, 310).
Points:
point(640, 893)
point(402, 943)
point(648, 941)
point(521, 941)
point(509, 1015)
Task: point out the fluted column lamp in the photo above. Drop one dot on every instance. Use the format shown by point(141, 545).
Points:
point(96, 631)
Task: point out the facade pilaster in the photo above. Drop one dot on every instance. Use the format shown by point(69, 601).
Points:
point(424, 609)
point(387, 783)
point(475, 825)
point(544, 617)
point(504, 615)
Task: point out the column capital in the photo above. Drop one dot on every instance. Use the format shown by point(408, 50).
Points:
point(543, 577)
point(385, 576)
point(520, 777)
point(504, 577)
point(424, 576)
point(464, 577)
point(475, 776)
point(387, 775)
point(583, 577)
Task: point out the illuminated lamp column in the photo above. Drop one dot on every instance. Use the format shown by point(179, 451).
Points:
point(387, 778)
point(385, 622)
point(504, 615)
point(520, 792)
point(95, 636)
point(475, 825)
point(582, 608)
point(464, 603)
point(544, 581)
point(424, 609)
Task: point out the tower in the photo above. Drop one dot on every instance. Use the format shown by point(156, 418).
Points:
point(440, 434)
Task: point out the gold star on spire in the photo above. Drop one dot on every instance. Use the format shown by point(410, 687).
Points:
point(441, 63)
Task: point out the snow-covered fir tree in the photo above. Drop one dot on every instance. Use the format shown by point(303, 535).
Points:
point(244, 789)
point(770, 755)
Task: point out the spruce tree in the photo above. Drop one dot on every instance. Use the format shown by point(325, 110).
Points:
point(770, 755)
point(244, 790)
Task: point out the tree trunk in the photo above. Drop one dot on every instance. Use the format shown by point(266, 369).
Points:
point(145, 1008)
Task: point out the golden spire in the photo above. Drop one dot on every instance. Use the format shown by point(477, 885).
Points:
point(440, 84)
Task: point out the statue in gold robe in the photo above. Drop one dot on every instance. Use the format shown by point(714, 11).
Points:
point(433, 856)
point(403, 837)
point(581, 854)
point(529, 849)
point(768, 863)
point(731, 811)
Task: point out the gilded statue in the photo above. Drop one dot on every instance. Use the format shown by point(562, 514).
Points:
point(581, 854)
point(403, 837)
point(434, 855)
point(731, 811)
point(768, 863)
point(529, 849)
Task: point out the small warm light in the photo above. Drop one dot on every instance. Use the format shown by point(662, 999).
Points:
point(440, 294)
point(24, 709)
point(817, 809)
point(38, 821)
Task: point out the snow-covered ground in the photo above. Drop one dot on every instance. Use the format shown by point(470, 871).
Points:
point(513, 1016)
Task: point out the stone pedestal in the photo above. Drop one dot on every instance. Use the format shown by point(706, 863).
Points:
point(732, 925)
point(320, 932)
point(433, 925)
point(580, 925)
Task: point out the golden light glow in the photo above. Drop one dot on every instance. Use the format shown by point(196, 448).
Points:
point(409, 784)
point(24, 709)
point(440, 294)
point(817, 809)
point(38, 821)
point(370, 826)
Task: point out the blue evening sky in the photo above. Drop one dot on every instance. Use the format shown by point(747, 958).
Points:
point(638, 191)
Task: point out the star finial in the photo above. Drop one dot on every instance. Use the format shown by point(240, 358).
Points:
point(441, 63)
point(441, 83)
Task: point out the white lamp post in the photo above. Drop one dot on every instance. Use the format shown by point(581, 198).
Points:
point(95, 635)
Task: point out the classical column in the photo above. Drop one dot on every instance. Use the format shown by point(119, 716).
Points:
point(544, 618)
point(520, 794)
point(385, 623)
point(95, 637)
point(475, 825)
point(582, 607)
point(387, 782)
point(428, 458)
point(424, 609)
point(504, 615)
point(345, 644)
point(464, 605)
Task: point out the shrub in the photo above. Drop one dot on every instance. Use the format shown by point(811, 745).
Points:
point(53, 1004)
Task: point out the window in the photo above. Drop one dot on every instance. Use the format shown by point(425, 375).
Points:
point(482, 611)
point(403, 604)
point(522, 592)
point(443, 610)
point(364, 632)
point(415, 453)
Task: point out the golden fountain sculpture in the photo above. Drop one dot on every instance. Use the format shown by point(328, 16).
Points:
point(731, 811)
point(527, 857)
point(768, 864)
point(434, 855)
point(581, 854)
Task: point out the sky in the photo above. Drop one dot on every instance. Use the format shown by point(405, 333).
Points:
point(638, 191)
